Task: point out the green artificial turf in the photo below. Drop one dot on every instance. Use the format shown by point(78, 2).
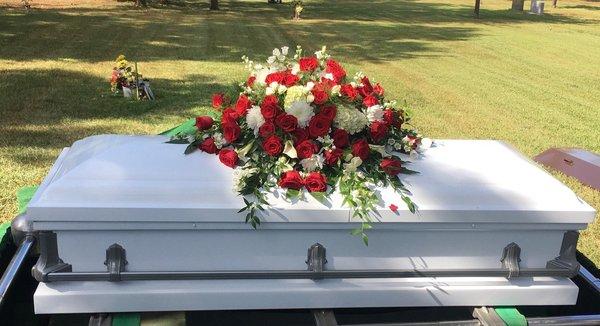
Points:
point(529, 80)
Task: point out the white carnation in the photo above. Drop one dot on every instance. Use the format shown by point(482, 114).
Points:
point(350, 119)
point(219, 140)
point(375, 113)
point(302, 111)
point(312, 163)
point(255, 119)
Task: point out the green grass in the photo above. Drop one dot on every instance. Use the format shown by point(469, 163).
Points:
point(532, 81)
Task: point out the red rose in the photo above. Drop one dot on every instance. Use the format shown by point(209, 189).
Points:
point(389, 116)
point(204, 122)
point(329, 112)
point(267, 129)
point(377, 89)
point(360, 148)
point(315, 182)
point(269, 107)
point(349, 91)
point(231, 132)
point(242, 105)
point(393, 208)
point(306, 149)
point(320, 97)
point(217, 100)
point(291, 180)
point(378, 130)
point(250, 81)
point(229, 116)
point(290, 80)
point(300, 135)
point(208, 145)
point(308, 63)
point(228, 157)
point(333, 156)
point(340, 138)
point(273, 145)
point(275, 77)
point(370, 101)
point(336, 70)
point(287, 122)
point(319, 126)
point(367, 88)
point(391, 166)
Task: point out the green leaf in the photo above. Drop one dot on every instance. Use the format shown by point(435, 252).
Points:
point(243, 209)
point(356, 231)
point(404, 170)
point(365, 239)
point(190, 148)
point(320, 196)
point(292, 193)
point(178, 141)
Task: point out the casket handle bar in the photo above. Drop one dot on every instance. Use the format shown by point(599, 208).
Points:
point(511, 256)
point(115, 262)
point(316, 260)
point(565, 265)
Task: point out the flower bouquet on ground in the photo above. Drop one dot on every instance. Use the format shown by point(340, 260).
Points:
point(129, 81)
point(299, 123)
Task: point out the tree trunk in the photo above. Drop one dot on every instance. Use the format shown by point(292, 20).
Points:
point(518, 5)
point(214, 4)
point(477, 4)
point(554, 3)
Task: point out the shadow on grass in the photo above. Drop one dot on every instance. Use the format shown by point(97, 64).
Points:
point(57, 107)
point(374, 30)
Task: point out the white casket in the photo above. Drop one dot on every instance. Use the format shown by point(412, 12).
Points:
point(130, 223)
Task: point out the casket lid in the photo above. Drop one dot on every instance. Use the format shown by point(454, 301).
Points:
point(142, 178)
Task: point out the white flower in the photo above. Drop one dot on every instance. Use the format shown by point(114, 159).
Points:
point(351, 166)
point(375, 113)
point(239, 177)
point(310, 98)
point(309, 86)
point(295, 69)
point(270, 91)
point(255, 119)
point(327, 76)
point(302, 111)
point(261, 75)
point(391, 141)
point(219, 140)
point(335, 90)
point(350, 119)
point(284, 50)
point(281, 89)
point(276, 52)
point(312, 163)
point(271, 59)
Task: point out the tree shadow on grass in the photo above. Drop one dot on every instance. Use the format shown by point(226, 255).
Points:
point(378, 30)
point(54, 108)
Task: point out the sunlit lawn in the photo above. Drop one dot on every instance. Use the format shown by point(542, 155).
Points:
point(532, 81)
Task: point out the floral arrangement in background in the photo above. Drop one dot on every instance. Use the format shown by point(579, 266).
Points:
point(301, 124)
point(129, 81)
point(297, 8)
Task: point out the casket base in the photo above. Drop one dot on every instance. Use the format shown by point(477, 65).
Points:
point(94, 297)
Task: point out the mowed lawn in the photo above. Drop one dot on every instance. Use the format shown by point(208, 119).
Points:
point(531, 81)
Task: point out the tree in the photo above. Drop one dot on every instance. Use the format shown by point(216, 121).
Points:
point(477, 4)
point(214, 4)
point(554, 3)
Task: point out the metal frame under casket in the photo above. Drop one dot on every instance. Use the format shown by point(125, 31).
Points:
point(127, 223)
